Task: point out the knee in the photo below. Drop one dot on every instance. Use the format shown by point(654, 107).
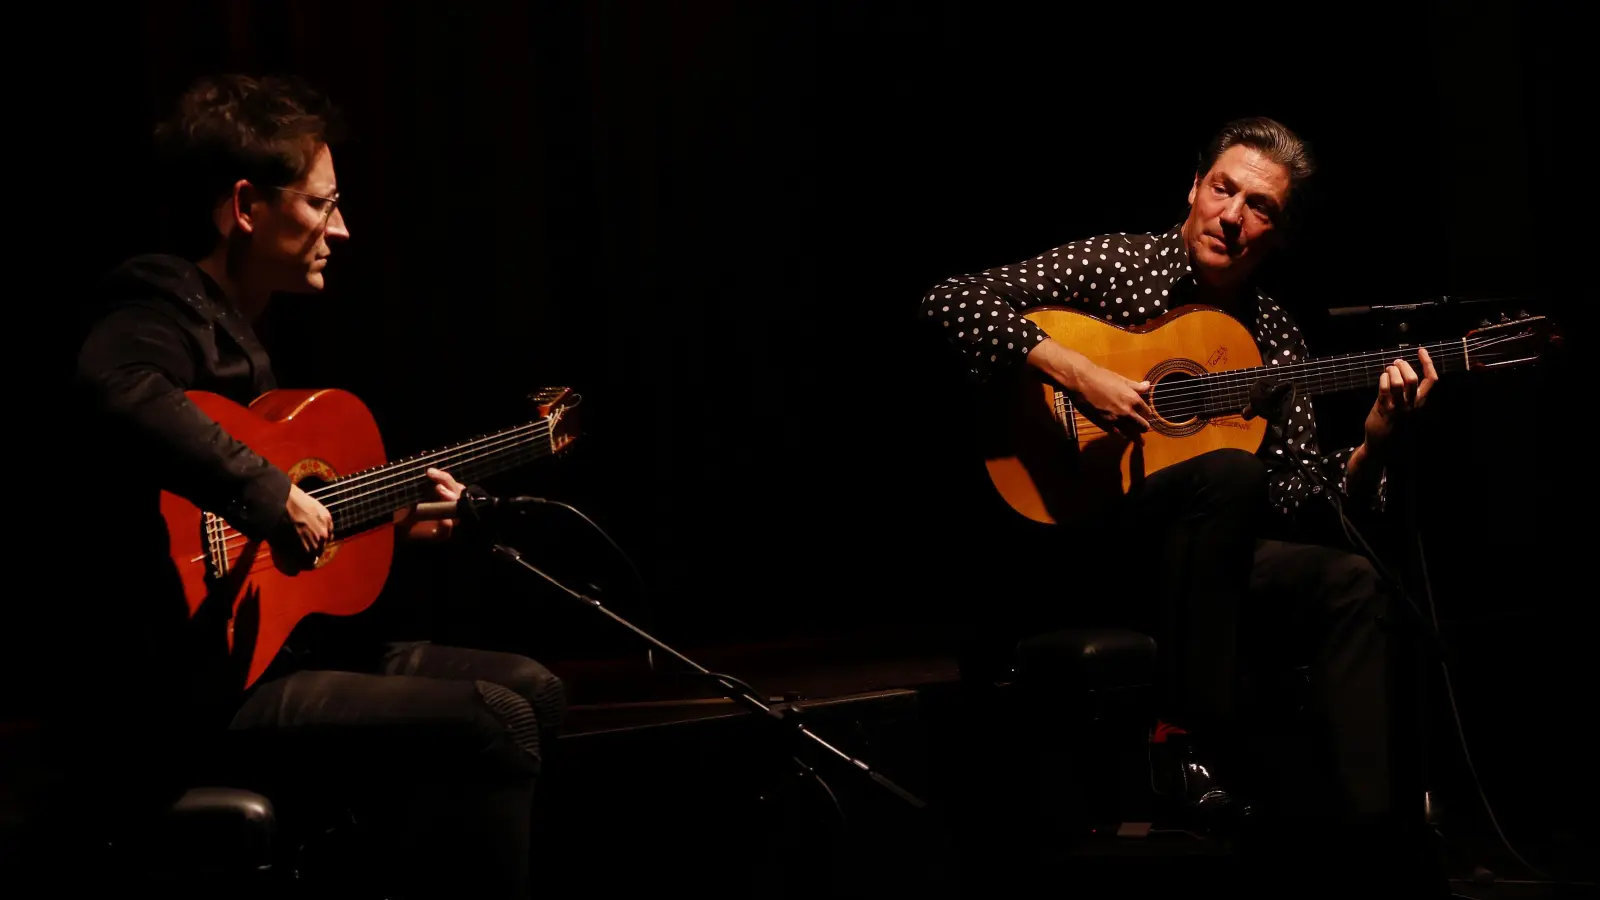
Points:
point(542, 688)
point(1235, 474)
point(507, 726)
point(1357, 588)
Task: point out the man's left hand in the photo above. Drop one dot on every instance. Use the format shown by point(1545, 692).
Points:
point(1400, 394)
point(447, 488)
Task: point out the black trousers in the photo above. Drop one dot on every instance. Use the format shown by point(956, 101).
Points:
point(436, 750)
point(1184, 563)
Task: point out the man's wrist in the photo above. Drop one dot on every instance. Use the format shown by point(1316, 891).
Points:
point(1369, 452)
point(1057, 361)
point(1364, 469)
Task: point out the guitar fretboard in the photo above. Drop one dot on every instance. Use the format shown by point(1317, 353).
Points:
point(363, 499)
point(1222, 393)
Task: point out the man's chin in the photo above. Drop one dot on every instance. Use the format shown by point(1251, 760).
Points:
point(1217, 269)
point(1206, 258)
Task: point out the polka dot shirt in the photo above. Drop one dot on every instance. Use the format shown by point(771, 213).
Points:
point(1125, 279)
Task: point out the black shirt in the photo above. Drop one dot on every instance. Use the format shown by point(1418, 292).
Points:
point(1126, 279)
point(158, 327)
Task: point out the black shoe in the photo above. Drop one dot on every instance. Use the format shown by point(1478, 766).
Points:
point(1180, 774)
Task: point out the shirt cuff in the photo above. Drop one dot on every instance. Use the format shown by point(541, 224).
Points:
point(259, 509)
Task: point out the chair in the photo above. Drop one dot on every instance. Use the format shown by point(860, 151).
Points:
point(1077, 705)
point(213, 840)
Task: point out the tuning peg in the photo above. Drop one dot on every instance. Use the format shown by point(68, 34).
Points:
point(1523, 314)
point(1484, 323)
point(1504, 318)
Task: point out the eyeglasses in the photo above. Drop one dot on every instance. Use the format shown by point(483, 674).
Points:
point(324, 205)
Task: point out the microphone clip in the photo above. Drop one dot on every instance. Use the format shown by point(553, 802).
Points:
point(471, 509)
point(1270, 400)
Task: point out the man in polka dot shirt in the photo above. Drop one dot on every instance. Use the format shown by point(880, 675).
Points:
point(1201, 522)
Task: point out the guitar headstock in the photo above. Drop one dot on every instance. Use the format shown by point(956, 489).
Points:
point(1511, 342)
point(558, 407)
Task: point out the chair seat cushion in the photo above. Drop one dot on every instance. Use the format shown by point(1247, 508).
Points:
point(216, 829)
point(1088, 659)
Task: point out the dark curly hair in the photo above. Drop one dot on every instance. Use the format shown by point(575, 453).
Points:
point(230, 127)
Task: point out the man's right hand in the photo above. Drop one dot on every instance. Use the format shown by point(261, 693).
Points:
point(308, 521)
point(1109, 400)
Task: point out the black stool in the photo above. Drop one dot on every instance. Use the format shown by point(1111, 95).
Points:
point(211, 841)
point(1085, 701)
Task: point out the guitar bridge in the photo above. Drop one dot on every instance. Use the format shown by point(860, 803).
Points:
point(213, 530)
point(1064, 413)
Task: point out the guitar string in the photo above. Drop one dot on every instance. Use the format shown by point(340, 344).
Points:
point(1225, 381)
point(1339, 365)
point(1169, 410)
point(238, 542)
point(1196, 402)
point(403, 472)
point(495, 448)
point(228, 533)
point(1179, 413)
point(1228, 383)
point(357, 479)
point(1175, 406)
point(395, 476)
point(1235, 379)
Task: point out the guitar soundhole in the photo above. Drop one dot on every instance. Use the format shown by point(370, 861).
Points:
point(1167, 398)
point(1175, 398)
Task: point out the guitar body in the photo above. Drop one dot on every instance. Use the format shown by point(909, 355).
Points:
point(1052, 465)
point(315, 435)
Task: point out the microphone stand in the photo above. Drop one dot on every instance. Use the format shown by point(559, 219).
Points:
point(789, 719)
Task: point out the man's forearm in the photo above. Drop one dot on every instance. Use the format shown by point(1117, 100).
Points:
point(1362, 473)
point(1059, 361)
point(196, 458)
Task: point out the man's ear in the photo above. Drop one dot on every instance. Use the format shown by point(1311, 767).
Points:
point(1195, 186)
point(242, 208)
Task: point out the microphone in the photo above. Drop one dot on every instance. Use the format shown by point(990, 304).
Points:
point(1268, 399)
point(476, 504)
point(1339, 311)
point(1444, 300)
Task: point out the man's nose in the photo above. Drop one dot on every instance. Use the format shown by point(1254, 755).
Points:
point(1233, 211)
point(336, 226)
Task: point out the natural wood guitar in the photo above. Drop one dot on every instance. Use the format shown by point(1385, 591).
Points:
point(328, 443)
point(1053, 464)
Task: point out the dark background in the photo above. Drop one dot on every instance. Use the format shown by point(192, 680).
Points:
point(715, 220)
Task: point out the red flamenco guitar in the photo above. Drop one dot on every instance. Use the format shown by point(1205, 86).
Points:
point(1052, 464)
point(328, 443)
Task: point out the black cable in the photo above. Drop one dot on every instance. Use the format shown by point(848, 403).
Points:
point(838, 808)
point(1319, 484)
point(644, 591)
point(734, 683)
point(1430, 624)
point(1455, 711)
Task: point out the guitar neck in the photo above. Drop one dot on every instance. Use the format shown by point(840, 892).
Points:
point(1229, 392)
point(369, 497)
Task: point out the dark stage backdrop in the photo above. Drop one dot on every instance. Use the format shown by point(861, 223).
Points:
point(715, 220)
